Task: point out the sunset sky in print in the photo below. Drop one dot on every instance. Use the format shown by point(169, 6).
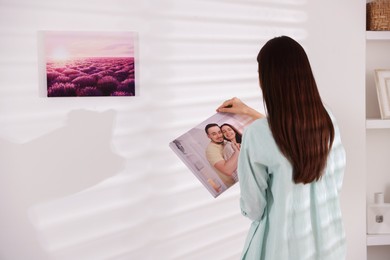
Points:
point(66, 45)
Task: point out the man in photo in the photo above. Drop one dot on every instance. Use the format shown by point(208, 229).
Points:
point(214, 154)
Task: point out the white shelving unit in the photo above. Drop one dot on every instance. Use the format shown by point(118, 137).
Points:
point(378, 240)
point(383, 239)
point(377, 123)
point(378, 35)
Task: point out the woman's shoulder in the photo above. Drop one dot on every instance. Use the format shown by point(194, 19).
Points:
point(258, 129)
point(258, 125)
point(330, 113)
point(260, 144)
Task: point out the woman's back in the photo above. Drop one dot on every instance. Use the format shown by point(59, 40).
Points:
point(291, 164)
point(290, 221)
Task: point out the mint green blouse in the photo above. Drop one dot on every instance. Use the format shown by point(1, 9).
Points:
point(290, 221)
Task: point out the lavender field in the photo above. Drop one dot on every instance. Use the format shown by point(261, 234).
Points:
point(91, 77)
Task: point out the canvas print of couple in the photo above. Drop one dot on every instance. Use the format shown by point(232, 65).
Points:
point(210, 150)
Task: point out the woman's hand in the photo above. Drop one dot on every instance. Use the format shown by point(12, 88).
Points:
point(236, 106)
point(236, 146)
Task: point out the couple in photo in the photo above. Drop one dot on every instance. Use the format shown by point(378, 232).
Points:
point(223, 150)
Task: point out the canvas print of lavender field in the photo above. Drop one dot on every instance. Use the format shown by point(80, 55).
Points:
point(81, 64)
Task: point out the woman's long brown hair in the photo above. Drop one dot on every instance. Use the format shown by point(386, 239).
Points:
point(297, 117)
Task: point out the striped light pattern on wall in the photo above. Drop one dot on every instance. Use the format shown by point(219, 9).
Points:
point(94, 178)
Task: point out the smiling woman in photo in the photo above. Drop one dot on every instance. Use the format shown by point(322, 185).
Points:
point(233, 138)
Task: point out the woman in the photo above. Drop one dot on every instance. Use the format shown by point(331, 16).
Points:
point(233, 138)
point(230, 133)
point(291, 163)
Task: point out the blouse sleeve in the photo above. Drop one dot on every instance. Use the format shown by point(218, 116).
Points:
point(253, 179)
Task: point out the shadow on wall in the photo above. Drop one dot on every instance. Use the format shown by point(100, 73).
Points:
point(61, 163)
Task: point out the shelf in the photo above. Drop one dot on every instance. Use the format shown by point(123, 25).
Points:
point(374, 123)
point(378, 240)
point(378, 35)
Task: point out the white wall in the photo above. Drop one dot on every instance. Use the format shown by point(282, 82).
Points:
point(94, 178)
point(338, 32)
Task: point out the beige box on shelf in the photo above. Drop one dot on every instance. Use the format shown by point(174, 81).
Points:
point(378, 218)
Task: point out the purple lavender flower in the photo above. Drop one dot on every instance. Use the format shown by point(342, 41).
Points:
point(107, 85)
point(51, 76)
point(127, 85)
point(62, 90)
point(62, 79)
point(89, 91)
point(84, 81)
